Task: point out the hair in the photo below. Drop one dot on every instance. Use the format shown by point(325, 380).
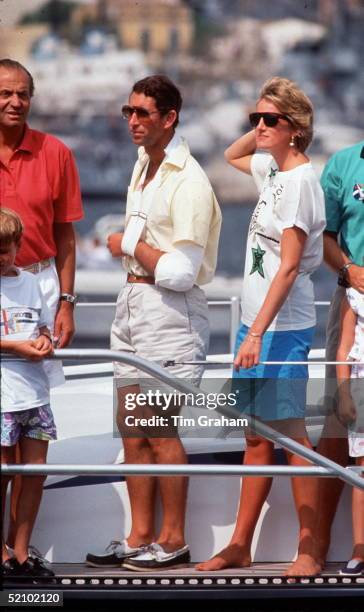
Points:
point(11, 227)
point(167, 96)
point(292, 101)
point(14, 65)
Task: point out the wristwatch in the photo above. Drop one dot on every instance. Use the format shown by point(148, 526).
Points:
point(342, 280)
point(68, 297)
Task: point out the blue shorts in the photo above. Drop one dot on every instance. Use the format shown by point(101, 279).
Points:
point(279, 391)
point(36, 423)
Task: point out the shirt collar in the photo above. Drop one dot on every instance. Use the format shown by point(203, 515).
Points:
point(177, 151)
point(27, 143)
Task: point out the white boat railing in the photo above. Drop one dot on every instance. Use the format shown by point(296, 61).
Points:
point(233, 303)
point(347, 474)
point(162, 469)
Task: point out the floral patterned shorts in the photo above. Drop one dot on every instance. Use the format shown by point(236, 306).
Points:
point(37, 423)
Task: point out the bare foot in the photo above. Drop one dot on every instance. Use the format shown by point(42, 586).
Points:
point(231, 556)
point(305, 565)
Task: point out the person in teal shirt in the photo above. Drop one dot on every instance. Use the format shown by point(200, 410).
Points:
point(343, 184)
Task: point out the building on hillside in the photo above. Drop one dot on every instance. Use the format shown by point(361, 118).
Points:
point(153, 26)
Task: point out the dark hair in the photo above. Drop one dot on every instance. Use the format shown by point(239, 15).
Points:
point(14, 65)
point(167, 96)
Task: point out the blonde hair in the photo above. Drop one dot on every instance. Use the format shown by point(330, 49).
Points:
point(11, 227)
point(292, 101)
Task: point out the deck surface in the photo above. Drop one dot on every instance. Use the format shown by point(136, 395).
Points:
point(81, 570)
point(261, 581)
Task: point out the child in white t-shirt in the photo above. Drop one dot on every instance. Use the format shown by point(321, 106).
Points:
point(26, 417)
point(351, 409)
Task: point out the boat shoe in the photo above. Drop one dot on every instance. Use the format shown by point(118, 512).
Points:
point(354, 567)
point(10, 568)
point(33, 567)
point(32, 552)
point(113, 555)
point(154, 557)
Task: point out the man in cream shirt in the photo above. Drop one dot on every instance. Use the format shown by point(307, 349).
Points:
point(169, 248)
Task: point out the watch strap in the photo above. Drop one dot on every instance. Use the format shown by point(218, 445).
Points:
point(68, 297)
point(342, 280)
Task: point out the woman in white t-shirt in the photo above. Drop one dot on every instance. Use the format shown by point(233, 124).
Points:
point(284, 247)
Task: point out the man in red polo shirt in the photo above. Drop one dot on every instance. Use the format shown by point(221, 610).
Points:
point(39, 181)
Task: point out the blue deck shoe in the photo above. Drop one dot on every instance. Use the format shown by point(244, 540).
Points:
point(354, 567)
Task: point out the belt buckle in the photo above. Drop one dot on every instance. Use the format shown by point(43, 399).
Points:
point(33, 268)
point(36, 268)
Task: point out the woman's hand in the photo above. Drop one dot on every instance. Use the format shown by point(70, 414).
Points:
point(249, 353)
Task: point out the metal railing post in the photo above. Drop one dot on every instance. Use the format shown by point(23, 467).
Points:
point(234, 320)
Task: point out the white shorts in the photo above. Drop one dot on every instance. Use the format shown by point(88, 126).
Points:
point(159, 325)
point(49, 284)
point(356, 429)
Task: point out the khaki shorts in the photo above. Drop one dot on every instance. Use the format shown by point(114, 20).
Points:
point(333, 427)
point(159, 325)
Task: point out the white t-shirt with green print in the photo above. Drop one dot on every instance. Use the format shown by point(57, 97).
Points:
point(287, 199)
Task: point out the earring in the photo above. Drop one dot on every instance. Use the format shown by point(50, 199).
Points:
point(292, 142)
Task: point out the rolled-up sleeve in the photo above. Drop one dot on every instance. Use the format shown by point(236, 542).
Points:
point(178, 270)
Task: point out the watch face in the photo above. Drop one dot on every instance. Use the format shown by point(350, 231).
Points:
point(67, 297)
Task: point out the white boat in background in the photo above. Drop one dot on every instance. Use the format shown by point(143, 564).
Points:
point(96, 76)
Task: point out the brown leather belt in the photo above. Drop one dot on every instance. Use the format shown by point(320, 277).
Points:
point(148, 280)
point(38, 267)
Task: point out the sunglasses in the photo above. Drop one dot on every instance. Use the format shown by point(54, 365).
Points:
point(270, 119)
point(142, 113)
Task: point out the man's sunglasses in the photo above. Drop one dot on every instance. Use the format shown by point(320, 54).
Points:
point(141, 113)
point(270, 119)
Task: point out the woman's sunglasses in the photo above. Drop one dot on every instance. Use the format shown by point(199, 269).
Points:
point(270, 119)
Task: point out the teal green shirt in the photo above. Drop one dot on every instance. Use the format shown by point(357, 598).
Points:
point(343, 183)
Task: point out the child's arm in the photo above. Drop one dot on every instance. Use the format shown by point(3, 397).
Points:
point(347, 410)
point(26, 348)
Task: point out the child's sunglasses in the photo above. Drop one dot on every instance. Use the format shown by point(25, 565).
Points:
point(270, 119)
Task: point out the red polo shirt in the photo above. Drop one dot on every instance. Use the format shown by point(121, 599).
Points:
point(41, 184)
